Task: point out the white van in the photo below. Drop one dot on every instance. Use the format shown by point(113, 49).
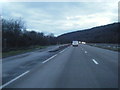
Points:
point(75, 43)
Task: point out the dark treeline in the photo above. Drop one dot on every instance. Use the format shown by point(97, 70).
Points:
point(101, 34)
point(15, 35)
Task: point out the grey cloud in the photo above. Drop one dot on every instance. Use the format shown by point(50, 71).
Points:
point(52, 17)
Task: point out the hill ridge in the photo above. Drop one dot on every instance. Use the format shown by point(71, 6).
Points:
point(100, 34)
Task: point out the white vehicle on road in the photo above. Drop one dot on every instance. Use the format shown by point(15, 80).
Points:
point(75, 43)
point(83, 42)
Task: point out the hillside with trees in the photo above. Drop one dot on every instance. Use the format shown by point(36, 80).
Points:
point(101, 34)
point(15, 36)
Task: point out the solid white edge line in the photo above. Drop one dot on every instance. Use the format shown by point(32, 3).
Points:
point(4, 85)
point(53, 56)
point(62, 51)
point(49, 58)
point(95, 61)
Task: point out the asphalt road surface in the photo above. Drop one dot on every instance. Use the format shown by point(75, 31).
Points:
point(18, 64)
point(74, 67)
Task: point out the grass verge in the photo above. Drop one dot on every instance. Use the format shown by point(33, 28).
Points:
point(16, 52)
point(109, 48)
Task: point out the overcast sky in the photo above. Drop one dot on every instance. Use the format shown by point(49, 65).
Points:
point(62, 17)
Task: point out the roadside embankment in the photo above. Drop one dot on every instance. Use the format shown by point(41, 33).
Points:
point(114, 47)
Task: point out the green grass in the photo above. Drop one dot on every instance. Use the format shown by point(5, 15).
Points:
point(16, 52)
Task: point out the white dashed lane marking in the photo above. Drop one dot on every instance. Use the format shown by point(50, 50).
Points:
point(95, 61)
point(86, 52)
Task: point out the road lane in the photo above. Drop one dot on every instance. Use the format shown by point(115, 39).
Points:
point(73, 68)
point(107, 58)
point(16, 65)
point(77, 72)
point(45, 75)
point(108, 65)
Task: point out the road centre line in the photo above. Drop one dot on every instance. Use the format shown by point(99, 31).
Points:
point(86, 52)
point(14, 79)
point(95, 61)
point(49, 58)
point(81, 48)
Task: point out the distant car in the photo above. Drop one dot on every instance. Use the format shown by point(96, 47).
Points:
point(80, 42)
point(83, 42)
point(75, 43)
